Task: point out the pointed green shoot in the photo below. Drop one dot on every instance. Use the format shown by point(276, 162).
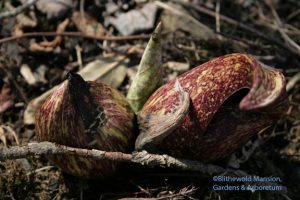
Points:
point(149, 75)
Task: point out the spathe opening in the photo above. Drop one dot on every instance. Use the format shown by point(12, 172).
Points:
point(237, 97)
point(230, 104)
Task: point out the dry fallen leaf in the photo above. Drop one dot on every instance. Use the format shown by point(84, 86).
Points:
point(178, 66)
point(88, 24)
point(135, 20)
point(106, 72)
point(26, 21)
point(60, 28)
point(40, 74)
point(48, 46)
point(27, 74)
point(23, 20)
point(175, 17)
point(55, 8)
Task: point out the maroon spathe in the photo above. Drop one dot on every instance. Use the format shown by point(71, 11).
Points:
point(212, 130)
point(59, 121)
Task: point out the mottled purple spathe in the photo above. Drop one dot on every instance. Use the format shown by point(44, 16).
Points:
point(59, 121)
point(212, 130)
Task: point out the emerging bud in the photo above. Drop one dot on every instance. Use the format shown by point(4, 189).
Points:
point(149, 75)
point(86, 115)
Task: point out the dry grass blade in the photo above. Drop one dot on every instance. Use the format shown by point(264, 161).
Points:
point(7, 131)
point(292, 82)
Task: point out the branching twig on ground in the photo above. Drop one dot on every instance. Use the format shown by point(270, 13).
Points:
point(143, 158)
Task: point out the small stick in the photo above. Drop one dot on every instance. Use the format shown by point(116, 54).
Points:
point(76, 34)
point(143, 158)
point(82, 11)
point(292, 82)
point(218, 27)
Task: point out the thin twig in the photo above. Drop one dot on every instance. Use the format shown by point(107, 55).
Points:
point(76, 34)
point(143, 158)
point(17, 10)
point(82, 11)
point(218, 28)
point(293, 15)
point(48, 148)
point(79, 57)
